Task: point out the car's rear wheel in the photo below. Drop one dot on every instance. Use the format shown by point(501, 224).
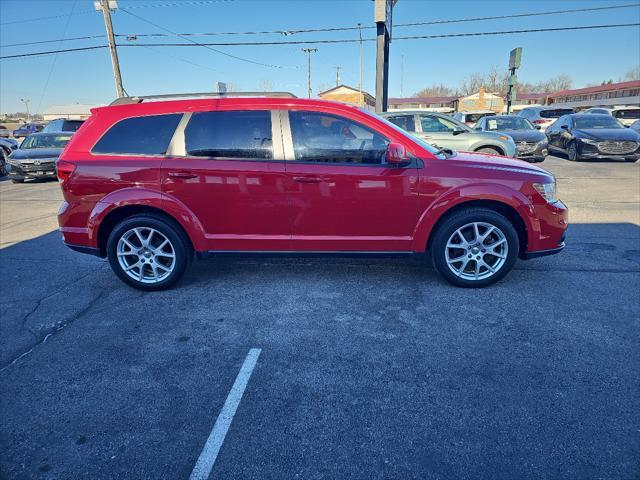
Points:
point(3, 162)
point(149, 252)
point(475, 247)
point(17, 180)
point(490, 151)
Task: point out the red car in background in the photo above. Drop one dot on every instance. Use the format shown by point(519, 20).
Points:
point(148, 182)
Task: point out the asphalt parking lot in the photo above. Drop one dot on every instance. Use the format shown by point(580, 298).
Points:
point(366, 369)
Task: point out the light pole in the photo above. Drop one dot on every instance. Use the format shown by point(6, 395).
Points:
point(26, 105)
point(360, 69)
point(309, 51)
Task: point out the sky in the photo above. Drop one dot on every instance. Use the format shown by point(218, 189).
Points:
point(587, 56)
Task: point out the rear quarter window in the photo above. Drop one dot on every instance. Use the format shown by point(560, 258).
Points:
point(148, 135)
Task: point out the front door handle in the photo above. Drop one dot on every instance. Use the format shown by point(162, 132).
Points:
point(182, 174)
point(307, 179)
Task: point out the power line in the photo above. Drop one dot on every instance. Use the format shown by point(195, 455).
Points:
point(200, 44)
point(414, 37)
point(287, 32)
point(50, 52)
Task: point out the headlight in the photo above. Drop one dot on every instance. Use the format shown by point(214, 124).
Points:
point(589, 141)
point(547, 190)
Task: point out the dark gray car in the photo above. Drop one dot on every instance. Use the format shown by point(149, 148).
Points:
point(531, 143)
point(445, 132)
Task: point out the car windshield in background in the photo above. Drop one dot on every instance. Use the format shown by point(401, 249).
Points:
point(596, 121)
point(474, 117)
point(508, 123)
point(632, 113)
point(557, 113)
point(45, 141)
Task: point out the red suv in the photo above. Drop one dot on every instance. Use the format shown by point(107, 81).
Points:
point(147, 182)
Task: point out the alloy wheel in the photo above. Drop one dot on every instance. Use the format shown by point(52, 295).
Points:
point(146, 255)
point(476, 251)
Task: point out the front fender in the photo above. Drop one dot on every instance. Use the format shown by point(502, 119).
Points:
point(469, 193)
point(146, 198)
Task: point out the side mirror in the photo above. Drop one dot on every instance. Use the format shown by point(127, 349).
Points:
point(458, 131)
point(564, 127)
point(538, 127)
point(397, 154)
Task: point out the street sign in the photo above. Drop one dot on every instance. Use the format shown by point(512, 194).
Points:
point(514, 58)
point(383, 12)
point(222, 87)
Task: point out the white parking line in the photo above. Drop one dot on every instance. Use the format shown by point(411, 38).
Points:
point(209, 453)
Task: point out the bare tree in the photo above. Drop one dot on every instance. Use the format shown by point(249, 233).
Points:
point(556, 84)
point(632, 74)
point(436, 91)
point(265, 85)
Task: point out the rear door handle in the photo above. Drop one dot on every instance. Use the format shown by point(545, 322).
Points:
point(307, 179)
point(182, 174)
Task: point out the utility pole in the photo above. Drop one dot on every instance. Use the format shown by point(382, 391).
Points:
point(360, 69)
point(26, 105)
point(382, 15)
point(402, 76)
point(309, 51)
point(338, 75)
point(105, 6)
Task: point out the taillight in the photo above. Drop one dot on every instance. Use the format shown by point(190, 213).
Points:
point(540, 122)
point(64, 169)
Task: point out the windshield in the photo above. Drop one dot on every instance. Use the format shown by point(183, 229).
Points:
point(596, 121)
point(474, 117)
point(630, 113)
point(45, 141)
point(508, 123)
point(423, 144)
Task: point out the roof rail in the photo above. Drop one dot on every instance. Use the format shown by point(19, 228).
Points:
point(140, 99)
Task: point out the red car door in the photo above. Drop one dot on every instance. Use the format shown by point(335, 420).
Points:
point(343, 196)
point(223, 167)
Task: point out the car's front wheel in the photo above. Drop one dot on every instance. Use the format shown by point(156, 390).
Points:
point(149, 252)
point(572, 152)
point(475, 247)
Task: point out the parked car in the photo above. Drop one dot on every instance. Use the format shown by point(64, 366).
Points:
point(445, 132)
point(150, 183)
point(471, 118)
point(36, 156)
point(7, 145)
point(590, 135)
point(626, 115)
point(27, 129)
point(4, 132)
point(635, 126)
point(531, 144)
point(63, 125)
point(543, 116)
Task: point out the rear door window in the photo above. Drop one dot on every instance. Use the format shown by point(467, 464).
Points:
point(148, 135)
point(405, 122)
point(627, 114)
point(556, 113)
point(230, 134)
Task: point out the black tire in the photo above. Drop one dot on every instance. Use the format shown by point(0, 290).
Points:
point(3, 162)
point(171, 230)
point(17, 180)
point(572, 152)
point(458, 220)
point(490, 151)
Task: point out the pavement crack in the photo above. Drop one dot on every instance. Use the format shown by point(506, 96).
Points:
point(43, 336)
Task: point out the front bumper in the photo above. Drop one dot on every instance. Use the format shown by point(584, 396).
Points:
point(548, 231)
point(538, 154)
point(22, 171)
point(587, 150)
